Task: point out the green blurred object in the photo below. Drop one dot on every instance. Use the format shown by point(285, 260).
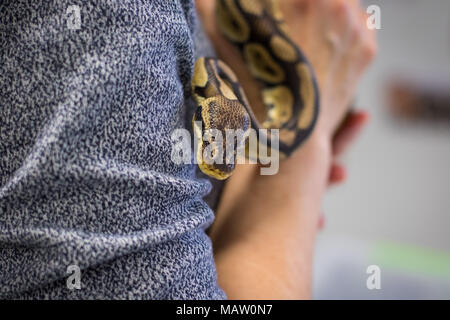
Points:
point(408, 258)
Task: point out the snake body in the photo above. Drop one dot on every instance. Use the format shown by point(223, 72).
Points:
point(289, 89)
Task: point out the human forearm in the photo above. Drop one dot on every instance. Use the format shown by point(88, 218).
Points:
point(263, 242)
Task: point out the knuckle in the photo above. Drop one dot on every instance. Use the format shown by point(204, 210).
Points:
point(340, 7)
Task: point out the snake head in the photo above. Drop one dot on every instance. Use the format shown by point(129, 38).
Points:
point(221, 127)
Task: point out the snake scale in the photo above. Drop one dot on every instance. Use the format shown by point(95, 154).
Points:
point(289, 88)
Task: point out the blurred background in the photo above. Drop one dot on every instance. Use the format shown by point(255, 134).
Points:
point(394, 209)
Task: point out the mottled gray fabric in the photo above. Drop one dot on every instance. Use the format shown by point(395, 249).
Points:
point(86, 175)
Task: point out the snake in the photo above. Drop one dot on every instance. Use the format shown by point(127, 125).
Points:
point(289, 89)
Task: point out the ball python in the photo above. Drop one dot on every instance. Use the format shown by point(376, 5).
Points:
point(288, 85)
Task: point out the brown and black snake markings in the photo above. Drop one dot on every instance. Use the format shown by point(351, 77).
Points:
point(289, 89)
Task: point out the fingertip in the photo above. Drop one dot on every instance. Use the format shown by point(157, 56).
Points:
point(341, 172)
point(359, 118)
point(338, 173)
point(363, 115)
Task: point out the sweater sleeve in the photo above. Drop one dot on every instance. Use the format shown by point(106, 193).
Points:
point(90, 92)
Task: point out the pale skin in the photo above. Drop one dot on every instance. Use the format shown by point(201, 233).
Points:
point(265, 229)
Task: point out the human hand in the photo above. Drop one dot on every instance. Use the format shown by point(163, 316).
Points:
point(334, 36)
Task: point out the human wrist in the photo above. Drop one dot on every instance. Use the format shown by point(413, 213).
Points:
point(315, 151)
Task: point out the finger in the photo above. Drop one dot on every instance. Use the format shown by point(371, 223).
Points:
point(321, 222)
point(338, 174)
point(349, 131)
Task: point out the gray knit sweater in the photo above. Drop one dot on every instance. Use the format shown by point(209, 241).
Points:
point(90, 92)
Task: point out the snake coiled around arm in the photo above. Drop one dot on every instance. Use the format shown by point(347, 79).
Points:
point(289, 88)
